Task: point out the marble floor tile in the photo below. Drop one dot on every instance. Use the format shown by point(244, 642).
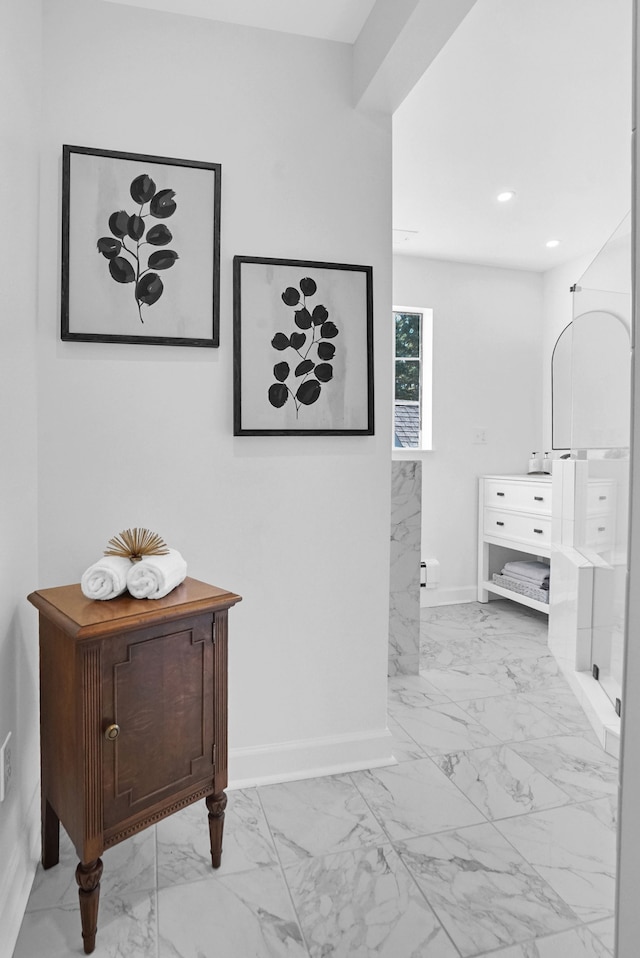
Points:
point(318, 816)
point(526, 672)
point(605, 931)
point(483, 891)
point(481, 618)
point(465, 681)
point(562, 705)
point(404, 748)
point(520, 643)
point(128, 867)
point(413, 691)
point(247, 914)
point(486, 619)
point(499, 782)
point(579, 767)
point(574, 849)
point(467, 618)
point(511, 718)
point(363, 903)
point(408, 664)
point(444, 728)
point(126, 927)
point(577, 943)
point(443, 647)
point(183, 847)
point(57, 885)
point(415, 798)
point(493, 836)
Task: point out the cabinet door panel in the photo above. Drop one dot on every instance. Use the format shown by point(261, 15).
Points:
point(159, 691)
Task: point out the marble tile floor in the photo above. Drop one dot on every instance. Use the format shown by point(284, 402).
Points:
point(494, 835)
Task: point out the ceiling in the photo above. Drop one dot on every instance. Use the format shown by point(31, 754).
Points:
point(327, 19)
point(528, 95)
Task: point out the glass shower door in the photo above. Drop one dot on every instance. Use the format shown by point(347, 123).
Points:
point(600, 422)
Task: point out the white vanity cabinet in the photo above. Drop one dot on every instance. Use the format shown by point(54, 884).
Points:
point(514, 523)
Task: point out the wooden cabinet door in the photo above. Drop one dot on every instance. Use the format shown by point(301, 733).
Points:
point(158, 688)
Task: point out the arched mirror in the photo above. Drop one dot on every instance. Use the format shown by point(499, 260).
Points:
point(590, 383)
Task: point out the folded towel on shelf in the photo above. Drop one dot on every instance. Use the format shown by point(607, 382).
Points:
point(106, 578)
point(528, 580)
point(534, 571)
point(155, 576)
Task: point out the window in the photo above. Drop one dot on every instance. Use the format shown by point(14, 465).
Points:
point(412, 378)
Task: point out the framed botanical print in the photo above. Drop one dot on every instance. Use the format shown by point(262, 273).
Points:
point(140, 248)
point(303, 348)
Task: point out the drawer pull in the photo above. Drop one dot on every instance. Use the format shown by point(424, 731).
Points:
point(539, 531)
point(498, 523)
point(500, 493)
point(601, 498)
point(601, 528)
point(111, 732)
point(539, 498)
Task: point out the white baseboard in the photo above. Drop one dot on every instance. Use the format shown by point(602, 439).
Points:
point(17, 877)
point(450, 596)
point(309, 758)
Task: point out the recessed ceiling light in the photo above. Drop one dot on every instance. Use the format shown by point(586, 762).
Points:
point(506, 196)
point(552, 243)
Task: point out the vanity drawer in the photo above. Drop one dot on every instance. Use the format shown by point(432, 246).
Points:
point(600, 498)
point(599, 533)
point(534, 530)
point(528, 496)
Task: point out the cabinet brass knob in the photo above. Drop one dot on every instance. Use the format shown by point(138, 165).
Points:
point(111, 732)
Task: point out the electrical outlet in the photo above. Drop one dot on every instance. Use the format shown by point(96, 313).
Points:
point(5, 767)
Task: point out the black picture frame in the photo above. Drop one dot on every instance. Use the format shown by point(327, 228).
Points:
point(140, 248)
point(302, 348)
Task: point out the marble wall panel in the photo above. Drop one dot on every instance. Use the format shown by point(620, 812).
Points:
point(404, 606)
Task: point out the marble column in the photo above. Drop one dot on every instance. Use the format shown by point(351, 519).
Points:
point(404, 605)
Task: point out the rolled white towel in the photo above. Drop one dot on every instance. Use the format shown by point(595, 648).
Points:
point(106, 578)
point(155, 576)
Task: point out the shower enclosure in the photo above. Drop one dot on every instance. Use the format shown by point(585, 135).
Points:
point(591, 416)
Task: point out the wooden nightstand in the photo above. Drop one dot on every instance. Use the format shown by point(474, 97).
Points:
point(133, 719)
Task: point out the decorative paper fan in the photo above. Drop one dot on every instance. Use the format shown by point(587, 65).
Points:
point(133, 544)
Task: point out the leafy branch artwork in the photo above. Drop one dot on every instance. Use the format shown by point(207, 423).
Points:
point(129, 234)
point(313, 351)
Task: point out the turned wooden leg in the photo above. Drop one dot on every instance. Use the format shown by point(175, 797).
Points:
point(50, 836)
point(88, 877)
point(216, 805)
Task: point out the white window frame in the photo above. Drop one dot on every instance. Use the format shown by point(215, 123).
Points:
point(426, 381)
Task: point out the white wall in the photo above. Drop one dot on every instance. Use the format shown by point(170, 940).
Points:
point(20, 72)
point(142, 435)
point(486, 374)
